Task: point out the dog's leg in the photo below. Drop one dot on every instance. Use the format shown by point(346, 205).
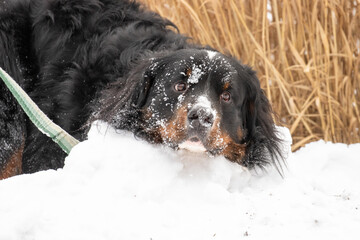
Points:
point(12, 120)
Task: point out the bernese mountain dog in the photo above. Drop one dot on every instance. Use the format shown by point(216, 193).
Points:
point(115, 61)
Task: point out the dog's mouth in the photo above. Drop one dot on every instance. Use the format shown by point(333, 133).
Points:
point(193, 144)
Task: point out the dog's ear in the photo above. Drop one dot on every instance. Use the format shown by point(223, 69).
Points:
point(142, 89)
point(252, 103)
point(146, 81)
point(258, 120)
point(257, 112)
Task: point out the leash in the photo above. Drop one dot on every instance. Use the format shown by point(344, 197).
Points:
point(41, 121)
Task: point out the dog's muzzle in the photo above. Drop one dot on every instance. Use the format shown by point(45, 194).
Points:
point(200, 120)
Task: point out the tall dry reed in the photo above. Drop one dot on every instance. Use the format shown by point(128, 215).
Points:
point(306, 54)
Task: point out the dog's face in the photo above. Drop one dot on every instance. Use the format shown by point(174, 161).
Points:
point(196, 100)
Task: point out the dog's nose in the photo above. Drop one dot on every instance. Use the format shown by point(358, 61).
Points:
point(201, 117)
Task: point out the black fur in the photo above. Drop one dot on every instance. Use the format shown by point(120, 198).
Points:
point(86, 60)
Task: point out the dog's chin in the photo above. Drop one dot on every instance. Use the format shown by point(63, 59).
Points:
point(193, 145)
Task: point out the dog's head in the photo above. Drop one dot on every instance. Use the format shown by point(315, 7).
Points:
point(199, 100)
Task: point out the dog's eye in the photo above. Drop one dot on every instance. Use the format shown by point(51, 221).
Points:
point(180, 87)
point(225, 96)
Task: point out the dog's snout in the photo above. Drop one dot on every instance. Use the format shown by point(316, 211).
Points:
point(201, 116)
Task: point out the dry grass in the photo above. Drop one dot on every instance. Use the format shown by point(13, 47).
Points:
point(307, 56)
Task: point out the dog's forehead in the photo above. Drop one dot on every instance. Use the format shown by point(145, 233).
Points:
point(220, 68)
point(196, 64)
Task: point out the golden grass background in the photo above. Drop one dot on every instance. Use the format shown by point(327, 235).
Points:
point(306, 54)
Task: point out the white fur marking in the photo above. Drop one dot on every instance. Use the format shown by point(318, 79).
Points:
point(204, 102)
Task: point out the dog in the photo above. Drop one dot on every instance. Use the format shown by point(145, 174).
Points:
point(115, 61)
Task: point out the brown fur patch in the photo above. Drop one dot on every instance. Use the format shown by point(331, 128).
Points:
point(225, 145)
point(154, 134)
point(188, 72)
point(13, 166)
point(226, 85)
point(175, 130)
point(233, 151)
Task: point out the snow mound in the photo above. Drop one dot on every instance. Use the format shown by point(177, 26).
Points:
point(116, 187)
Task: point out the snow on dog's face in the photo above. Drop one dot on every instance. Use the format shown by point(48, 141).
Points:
point(195, 101)
point(199, 100)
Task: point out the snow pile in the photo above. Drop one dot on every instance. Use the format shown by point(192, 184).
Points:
point(116, 187)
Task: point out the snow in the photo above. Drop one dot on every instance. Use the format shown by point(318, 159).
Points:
point(195, 74)
point(211, 54)
point(116, 187)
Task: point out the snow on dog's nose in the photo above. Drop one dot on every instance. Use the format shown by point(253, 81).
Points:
point(200, 116)
point(201, 113)
point(200, 120)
